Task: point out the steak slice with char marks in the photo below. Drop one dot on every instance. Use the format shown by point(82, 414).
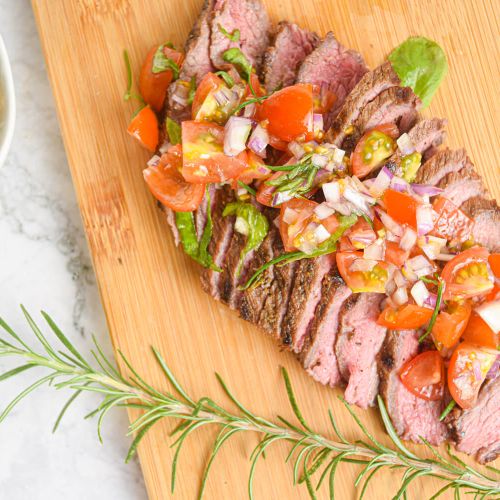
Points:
point(486, 216)
point(368, 88)
point(333, 66)
point(462, 185)
point(396, 105)
point(305, 295)
point(477, 431)
point(359, 339)
point(441, 164)
point(411, 416)
point(222, 232)
point(282, 59)
point(318, 356)
point(247, 16)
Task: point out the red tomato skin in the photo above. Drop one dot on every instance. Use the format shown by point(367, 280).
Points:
point(450, 325)
point(451, 223)
point(210, 82)
point(407, 317)
point(153, 86)
point(394, 254)
point(401, 207)
point(144, 128)
point(424, 376)
point(478, 332)
point(205, 162)
point(289, 112)
point(356, 280)
point(494, 262)
point(305, 209)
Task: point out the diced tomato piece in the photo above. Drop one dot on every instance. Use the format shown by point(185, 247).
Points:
point(265, 192)
point(303, 210)
point(450, 324)
point(374, 147)
point(154, 86)
point(168, 186)
point(278, 143)
point(209, 83)
point(324, 99)
point(394, 254)
point(255, 170)
point(467, 274)
point(478, 332)
point(345, 244)
point(467, 371)
point(406, 317)
point(373, 280)
point(362, 234)
point(144, 127)
point(257, 87)
point(289, 112)
point(451, 223)
point(494, 262)
point(424, 376)
point(203, 155)
point(401, 207)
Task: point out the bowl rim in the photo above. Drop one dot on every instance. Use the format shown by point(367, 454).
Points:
point(7, 83)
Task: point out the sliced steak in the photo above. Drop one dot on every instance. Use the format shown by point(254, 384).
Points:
point(303, 299)
point(486, 216)
point(462, 185)
point(477, 431)
point(290, 47)
point(359, 340)
point(368, 88)
point(247, 16)
point(333, 66)
point(411, 416)
point(441, 164)
point(318, 356)
point(197, 61)
point(222, 232)
point(396, 105)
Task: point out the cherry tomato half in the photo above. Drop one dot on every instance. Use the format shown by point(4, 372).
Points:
point(374, 147)
point(450, 324)
point(168, 186)
point(406, 317)
point(494, 261)
point(303, 211)
point(478, 332)
point(153, 86)
point(424, 376)
point(467, 274)
point(203, 155)
point(467, 370)
point(401, 207)
point(289, 112)
point(361, 281)
point(144, 127)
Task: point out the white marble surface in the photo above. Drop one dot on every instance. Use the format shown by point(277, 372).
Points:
point(44, 264)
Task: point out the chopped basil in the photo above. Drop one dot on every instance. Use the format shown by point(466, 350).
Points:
point(235, 57)
point(197, 250)
point(249, 189)
point(256, 225)
point(234, 36)
point(328, 246)
point(226, 77)
point(173, 131)
point(129, 94)
point(192, 90)
point(163, 63)
point(420, 64)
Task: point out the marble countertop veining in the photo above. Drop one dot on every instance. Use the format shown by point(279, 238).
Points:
point(44, 264)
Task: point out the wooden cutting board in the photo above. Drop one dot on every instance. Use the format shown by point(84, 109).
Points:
point(150, 290)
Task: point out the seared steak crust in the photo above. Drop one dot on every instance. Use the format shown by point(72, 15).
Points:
point(486, 216)
point(283, 57)
point(441, 164)
point(462, 185)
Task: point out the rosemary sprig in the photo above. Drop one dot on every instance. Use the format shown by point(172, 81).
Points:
point(314, 456)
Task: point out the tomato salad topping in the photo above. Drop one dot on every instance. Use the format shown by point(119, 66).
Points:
point(390, 235)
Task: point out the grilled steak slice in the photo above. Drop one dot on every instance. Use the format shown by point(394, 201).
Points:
point(411, 416)
point(486, 216)
point(477, 431)
point(441, 164)
point(396, 105)
point(333, 66)
point(318, 356)
point(282, 59)
point(247, 16)
point(222, 232)
point(303, 299)
point(462, 185)
point(253, 299)
point(359, 340)
point(369, 87)
point(197, 62)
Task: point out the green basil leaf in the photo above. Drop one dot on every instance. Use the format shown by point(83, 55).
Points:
point(257, 225)
point(192, 90)
point(235, 57)
point(173, 131)
point(228, 79)
point(204, 257)
point(420, 64)
point(163, 63)
point(234, 36)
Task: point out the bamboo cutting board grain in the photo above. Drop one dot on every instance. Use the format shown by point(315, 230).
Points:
point(149, 289)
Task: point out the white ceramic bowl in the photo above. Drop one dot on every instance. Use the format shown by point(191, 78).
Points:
point(7, 103)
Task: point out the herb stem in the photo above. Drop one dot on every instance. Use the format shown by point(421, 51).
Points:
point(435, 313)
